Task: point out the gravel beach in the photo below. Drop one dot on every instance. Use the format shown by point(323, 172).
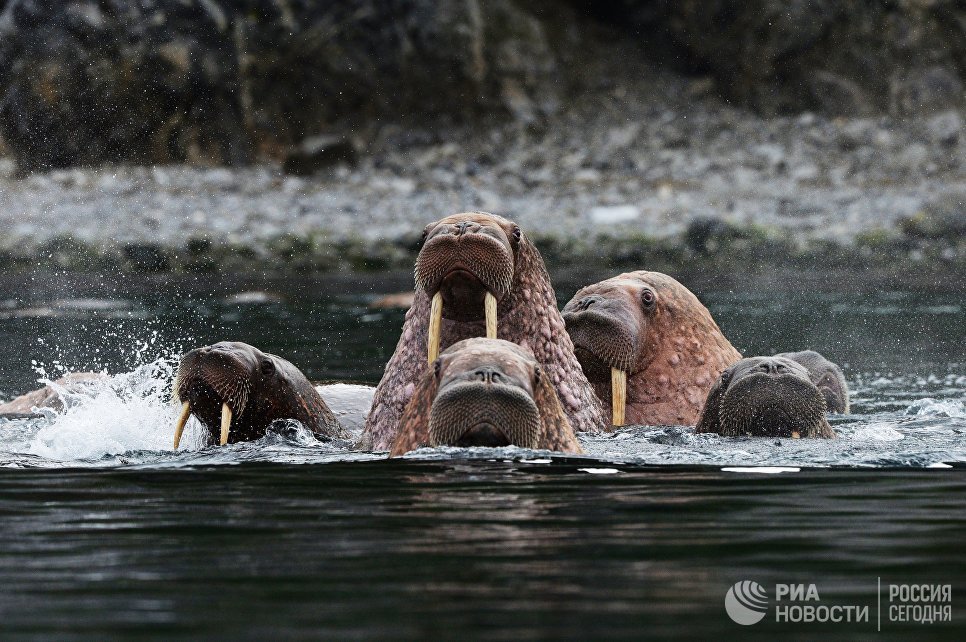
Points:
point(657, 163)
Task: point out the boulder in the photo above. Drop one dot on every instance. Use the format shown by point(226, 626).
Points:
point(209, 81)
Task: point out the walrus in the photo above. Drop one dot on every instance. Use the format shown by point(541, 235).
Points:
point(765, 397)
point(826, 376)
point(478, 274)
point(650, 349)
point(485, 392)
point(26, 405)
point(236, 391)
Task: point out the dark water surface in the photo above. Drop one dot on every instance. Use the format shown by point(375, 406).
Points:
point(104, 531)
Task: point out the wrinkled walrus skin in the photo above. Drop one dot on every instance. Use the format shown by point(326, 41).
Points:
point(485, 392)
point(656, 330)
point(528, 316)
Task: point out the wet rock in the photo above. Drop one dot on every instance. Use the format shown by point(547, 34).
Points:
point(942, 218)
point(146, 257)
point(705, 235)
point(837, 57)
point(319, 152)
point(611, 214)
point(398, 300)
point(945, 128)
point(165, 81)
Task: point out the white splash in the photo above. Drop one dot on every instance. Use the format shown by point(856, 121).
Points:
point(127, 412)
point(929, 407)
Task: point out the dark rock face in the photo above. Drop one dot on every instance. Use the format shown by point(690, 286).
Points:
point(219, 82)
point(85, 82)
point(843, 58)
point(319, 152)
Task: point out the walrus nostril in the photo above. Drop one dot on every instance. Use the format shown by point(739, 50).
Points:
point(461, 228)
point(488, 375)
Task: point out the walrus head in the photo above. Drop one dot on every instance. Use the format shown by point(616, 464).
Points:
point(826, 376)
point(765, 397)
point(236, 390)
point(466, 265)
point(474, 267)
point(648, 327)
point(485, 392)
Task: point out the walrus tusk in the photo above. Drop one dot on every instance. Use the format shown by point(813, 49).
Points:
point(489, 307)
point(225, 422)
point(182, 420)
point(435, 322)
point(618, 392)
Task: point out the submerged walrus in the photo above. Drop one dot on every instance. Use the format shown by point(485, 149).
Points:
point(485, 392)
point(26, 405)
point(769, 397)
point(236, 391)
point(478, 275)
point(648, 346)
point(826, 376)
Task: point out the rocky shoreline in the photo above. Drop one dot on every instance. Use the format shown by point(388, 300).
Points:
point(656, 173)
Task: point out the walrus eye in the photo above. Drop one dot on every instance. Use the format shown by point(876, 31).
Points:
point(436, 368)
point(647, 297)
point(267, 367)
point(537, 374)
point(516, 234)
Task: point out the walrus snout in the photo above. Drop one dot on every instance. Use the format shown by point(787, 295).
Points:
point(606, 325)
point(485, 392)
point(769, 397)
point(465, 256)
point(481, 413)
point(238, 390)
point(466, 265)
point(485, 398)
point(214, 383)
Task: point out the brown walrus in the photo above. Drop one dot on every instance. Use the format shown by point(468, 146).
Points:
point(485, 392)
point(646, 337)
point(826, 376)
point(478, 275)
point(766, 397)
point(23, 407)
point(236, 391)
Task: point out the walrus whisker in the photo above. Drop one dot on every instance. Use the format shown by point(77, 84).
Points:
point(618, 389)
point(489, 307)
point(435, 324)
point(182, 420)
point(225, 422)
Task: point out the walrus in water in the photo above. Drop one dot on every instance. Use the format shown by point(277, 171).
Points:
point(648, 346)
point(485, 392)
point(767, 397)
point(50, 396)
point(478, 275)
point(826, 376)
point(236, 391)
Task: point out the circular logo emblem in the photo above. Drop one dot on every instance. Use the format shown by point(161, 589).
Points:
point(746, 603)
